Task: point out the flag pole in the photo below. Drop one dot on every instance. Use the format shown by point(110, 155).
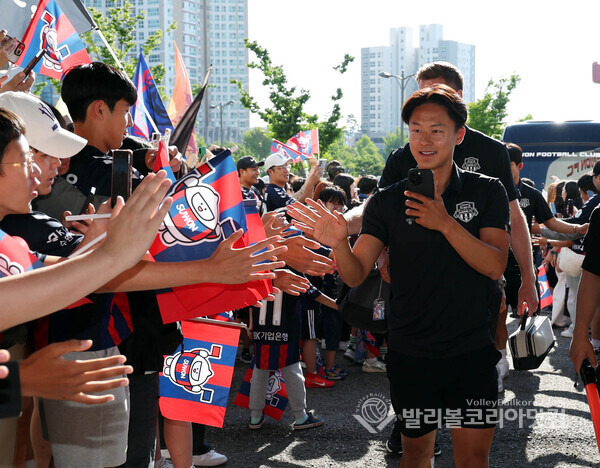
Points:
point(220, 322)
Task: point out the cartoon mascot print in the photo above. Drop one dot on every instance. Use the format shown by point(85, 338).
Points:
point(191, 370)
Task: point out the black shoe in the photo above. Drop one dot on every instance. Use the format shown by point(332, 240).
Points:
point(394, 443)
point(246, 357)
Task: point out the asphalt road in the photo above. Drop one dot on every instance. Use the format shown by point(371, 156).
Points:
point(546, 424)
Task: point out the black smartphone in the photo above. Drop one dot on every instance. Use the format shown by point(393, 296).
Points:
point(420, 181)
point(121, 175)
point(13, 48)
point(34, 62)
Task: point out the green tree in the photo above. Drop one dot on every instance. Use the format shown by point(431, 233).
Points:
point(364, 158)
point(392, 141)
point(256, 142)
point(286, 117)
point(488, 113)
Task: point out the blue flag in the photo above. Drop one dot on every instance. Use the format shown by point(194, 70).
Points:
point(149, 104)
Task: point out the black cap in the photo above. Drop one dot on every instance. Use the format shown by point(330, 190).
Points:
point(597, 168)
point(247, 162)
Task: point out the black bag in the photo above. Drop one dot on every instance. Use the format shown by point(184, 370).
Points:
point(356, 304)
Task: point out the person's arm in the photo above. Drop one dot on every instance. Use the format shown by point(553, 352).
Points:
point(520, 242)
point(308, 188)
point(354, 264)
point(588, 299)
point(487, 255)
point(47, 374)
point(354, 217)
point(227, 265)
point(558, 225)
point(327, 301)
point(55, 287)
point(550, 234)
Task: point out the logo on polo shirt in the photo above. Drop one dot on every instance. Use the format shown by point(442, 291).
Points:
point(465, 211)
point(471, 164)
point(524, 202)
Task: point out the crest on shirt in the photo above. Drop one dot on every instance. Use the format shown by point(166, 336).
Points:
point(465, 211)
point(471, 164)
point(524, 202)
point(8, 267)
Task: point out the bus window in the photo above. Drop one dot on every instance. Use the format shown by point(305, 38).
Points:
point(566, 150)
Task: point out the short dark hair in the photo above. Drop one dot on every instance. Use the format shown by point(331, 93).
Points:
point(11, 129)
point(94, 81)
point(441, 95)
point(366, 184)
point(334, 194)
point(334, 167)
point(515, 152)
point(586, 183)
point(344, 181)
point(445, 70)
point(297, 183)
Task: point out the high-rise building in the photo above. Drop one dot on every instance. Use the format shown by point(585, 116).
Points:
point(209, 32)
point(381, 97)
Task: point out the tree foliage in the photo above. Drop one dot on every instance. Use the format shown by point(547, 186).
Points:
point(256, 142)
point(286, 116)
point(488, 113)
point(364, 158)
point(392, 141)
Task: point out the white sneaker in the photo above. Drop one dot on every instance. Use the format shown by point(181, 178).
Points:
point(568, 333)
point(211, 458)
point(343, 345)
point(373, 365)
point(502, 369)
point(164, 463)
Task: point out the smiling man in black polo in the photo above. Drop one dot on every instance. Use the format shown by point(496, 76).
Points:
point(441, 353)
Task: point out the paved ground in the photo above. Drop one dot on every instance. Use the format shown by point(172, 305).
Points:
point(554, 430)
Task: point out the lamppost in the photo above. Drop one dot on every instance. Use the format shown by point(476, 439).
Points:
point(402, 81)
point(220, 107)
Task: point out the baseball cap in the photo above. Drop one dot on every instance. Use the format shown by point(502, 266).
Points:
point(44, 132)
point(276, 159)
point(247, 162)
point(597, 168)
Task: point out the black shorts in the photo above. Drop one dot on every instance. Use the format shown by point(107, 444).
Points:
point(308, 324)
point(455, 392)
point(242, 314)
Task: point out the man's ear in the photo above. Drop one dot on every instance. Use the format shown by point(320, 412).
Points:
point(97, 109)
point(520, 166)
point(460, 135)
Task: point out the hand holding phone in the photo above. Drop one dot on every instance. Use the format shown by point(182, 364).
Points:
point(13, 48)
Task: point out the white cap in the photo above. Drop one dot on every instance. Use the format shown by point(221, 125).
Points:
point(277, 159)
point(44, 132)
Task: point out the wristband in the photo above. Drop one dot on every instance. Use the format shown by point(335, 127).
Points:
point(549, 244)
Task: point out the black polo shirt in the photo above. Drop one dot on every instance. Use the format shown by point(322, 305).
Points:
point(532, 203)
point(93, 168)
point(439, 303)
point(477, 153)
point(591, 262)
point(276, 197)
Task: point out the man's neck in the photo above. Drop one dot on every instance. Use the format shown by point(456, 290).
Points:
point(91, 134)
point(246, 185)
point(442, 176)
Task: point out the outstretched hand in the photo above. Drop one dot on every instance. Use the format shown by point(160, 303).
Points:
point(326, 227)
point(290, 283)
point(235, 266)
point(47, 374)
